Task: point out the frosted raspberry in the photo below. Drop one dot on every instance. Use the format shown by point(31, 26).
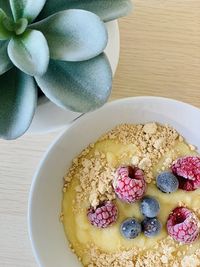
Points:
point(104, 215)
point(185, 184)
point(183, 225)
point(187, 170)
point(129, 184)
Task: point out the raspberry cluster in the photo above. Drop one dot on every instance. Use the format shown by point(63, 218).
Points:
point(104, 215)
point(183, 225)
point(187, 170)
point(129, 184)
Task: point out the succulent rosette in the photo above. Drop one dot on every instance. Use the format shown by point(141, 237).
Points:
point(56, 46)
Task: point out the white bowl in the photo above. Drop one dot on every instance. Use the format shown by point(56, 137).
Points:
point(48, 116)
point(46, 232)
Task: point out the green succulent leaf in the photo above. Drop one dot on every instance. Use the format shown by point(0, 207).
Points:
point(4, 32)
point(74, 35)
point(5, 63)
point(106, 9)
point(5, 5)
point(20, 26)
point(18, 101)
point(79, 86)
point(30, 52)
point(28, 9)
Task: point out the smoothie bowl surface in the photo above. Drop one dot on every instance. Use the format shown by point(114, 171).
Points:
point(124, 204)
point(48, 239)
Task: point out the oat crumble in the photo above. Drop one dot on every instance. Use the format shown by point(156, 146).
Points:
point(152, 139)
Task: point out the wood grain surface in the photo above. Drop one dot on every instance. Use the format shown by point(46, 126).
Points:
point(160, 56)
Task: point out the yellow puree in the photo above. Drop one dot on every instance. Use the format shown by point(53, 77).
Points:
point(80, 232)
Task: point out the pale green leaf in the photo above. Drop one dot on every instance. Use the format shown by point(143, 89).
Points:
point(18, 101)
point(79, 86)
point(73, 35)
point(4, 32)
point(30, 52)
point(29, 9)
point(21, 25)
point(106, 9)
point(5, 63)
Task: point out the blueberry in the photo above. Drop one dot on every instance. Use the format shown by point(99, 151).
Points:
point(151, 227)
point(149, 207)
point(130, 228)
point(167, 182)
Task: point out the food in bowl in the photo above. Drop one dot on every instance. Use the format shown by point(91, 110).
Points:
point(132, 199)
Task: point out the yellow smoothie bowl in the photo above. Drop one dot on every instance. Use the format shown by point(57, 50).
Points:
point(50, 245)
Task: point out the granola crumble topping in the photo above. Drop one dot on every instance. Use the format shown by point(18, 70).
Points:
point(164, 254)
point(151, 139)
point(95, 176)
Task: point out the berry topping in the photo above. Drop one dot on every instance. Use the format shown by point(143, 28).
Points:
point(149, 207)
point(130, 228)
point(187, 169)
point(104, 215)
point(167, 182)
point(129, 184)
point(187, 185)
point(151, 227)
point(183, 225)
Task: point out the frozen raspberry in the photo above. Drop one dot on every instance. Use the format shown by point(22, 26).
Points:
point(185, 184)
point(183, 225)
point(104, 215)
point(187, 170)
point(129, 184)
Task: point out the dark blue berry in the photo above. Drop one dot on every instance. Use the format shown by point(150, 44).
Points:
point(151, 227)
point(130, 228)
point(149, 207)
point(167, 182)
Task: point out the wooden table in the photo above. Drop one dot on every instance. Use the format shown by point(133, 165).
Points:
point(160, 55)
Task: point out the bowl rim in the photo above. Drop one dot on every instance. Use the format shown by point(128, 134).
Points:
point(35, 179)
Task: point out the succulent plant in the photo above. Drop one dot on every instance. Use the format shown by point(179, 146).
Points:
point(57, 46)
